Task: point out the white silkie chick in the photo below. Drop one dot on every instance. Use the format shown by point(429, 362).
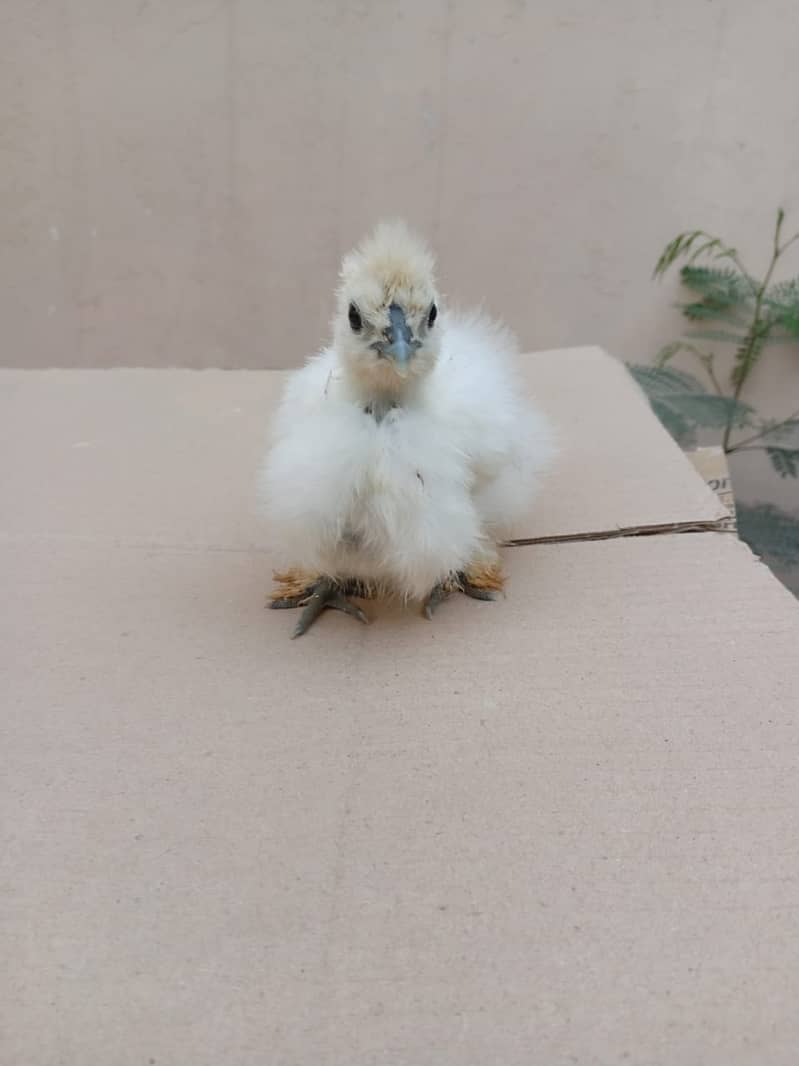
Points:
point(403, 453)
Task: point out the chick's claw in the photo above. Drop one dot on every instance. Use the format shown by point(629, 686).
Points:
point(315, 597)
point(282, 603)
point(460, 583)
point(437, 596)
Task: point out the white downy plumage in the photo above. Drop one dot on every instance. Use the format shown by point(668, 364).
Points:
point(403, 453)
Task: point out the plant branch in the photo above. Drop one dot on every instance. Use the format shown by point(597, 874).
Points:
point(741, 444)
point(705, 358)
point(712, 375)
point(754, 334)
point(747, 276)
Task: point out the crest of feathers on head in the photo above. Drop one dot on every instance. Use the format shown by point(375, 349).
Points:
point(392, 263)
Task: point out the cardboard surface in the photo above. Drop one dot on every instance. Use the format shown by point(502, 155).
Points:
point(171, 457)
point(556, 828)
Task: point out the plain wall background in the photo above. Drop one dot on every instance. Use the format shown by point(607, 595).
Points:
point(178, 179)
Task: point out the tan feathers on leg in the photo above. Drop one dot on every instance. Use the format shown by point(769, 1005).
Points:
point(485, 574)
point(291, 587)
point(480, 581)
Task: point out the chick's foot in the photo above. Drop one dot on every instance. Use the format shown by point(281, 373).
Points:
point(478, 583)
point(314, 597)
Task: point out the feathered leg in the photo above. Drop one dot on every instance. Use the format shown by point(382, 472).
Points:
point(480, 581)
point(295, 589)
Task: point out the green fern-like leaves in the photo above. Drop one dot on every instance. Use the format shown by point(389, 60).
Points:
point(725, 294)
point(782, 303)
point(721, 336)
point(667, 352)
point(714, 412)
point(665, 380)
point(785, 461)
point(683, 405)
point(724, 287)
point(789, 320)
point(746, 314)
point(783, 432)
point(770, 532)
point(663, 387)
point(749, 352)
point(693, 243)
point(784, 294)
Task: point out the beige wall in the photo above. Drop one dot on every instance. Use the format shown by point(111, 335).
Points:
point(180, 177)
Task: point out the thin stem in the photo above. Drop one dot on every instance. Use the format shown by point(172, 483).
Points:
point(706, 361)
point(747, 276)
point(763, 433)
point(712, 375)
point(753, 335)
point(749, 448)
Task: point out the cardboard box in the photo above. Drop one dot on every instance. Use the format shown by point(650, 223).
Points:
point(711, 464)
point(557, 828)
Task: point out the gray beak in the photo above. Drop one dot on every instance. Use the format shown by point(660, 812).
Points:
point(400, 344)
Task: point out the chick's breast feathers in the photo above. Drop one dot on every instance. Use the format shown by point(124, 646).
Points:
point(407, 500)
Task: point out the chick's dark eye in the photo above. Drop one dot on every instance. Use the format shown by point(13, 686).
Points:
point(432, 316)
point(356, 322)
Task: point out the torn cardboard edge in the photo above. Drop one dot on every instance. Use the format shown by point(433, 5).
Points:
point(711, 464)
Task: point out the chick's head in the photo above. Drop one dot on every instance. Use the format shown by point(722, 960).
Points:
point(385, 326)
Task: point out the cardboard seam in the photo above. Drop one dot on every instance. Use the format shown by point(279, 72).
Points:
point(719, 525)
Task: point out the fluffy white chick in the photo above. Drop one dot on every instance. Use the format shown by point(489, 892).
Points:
point(403, 453)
